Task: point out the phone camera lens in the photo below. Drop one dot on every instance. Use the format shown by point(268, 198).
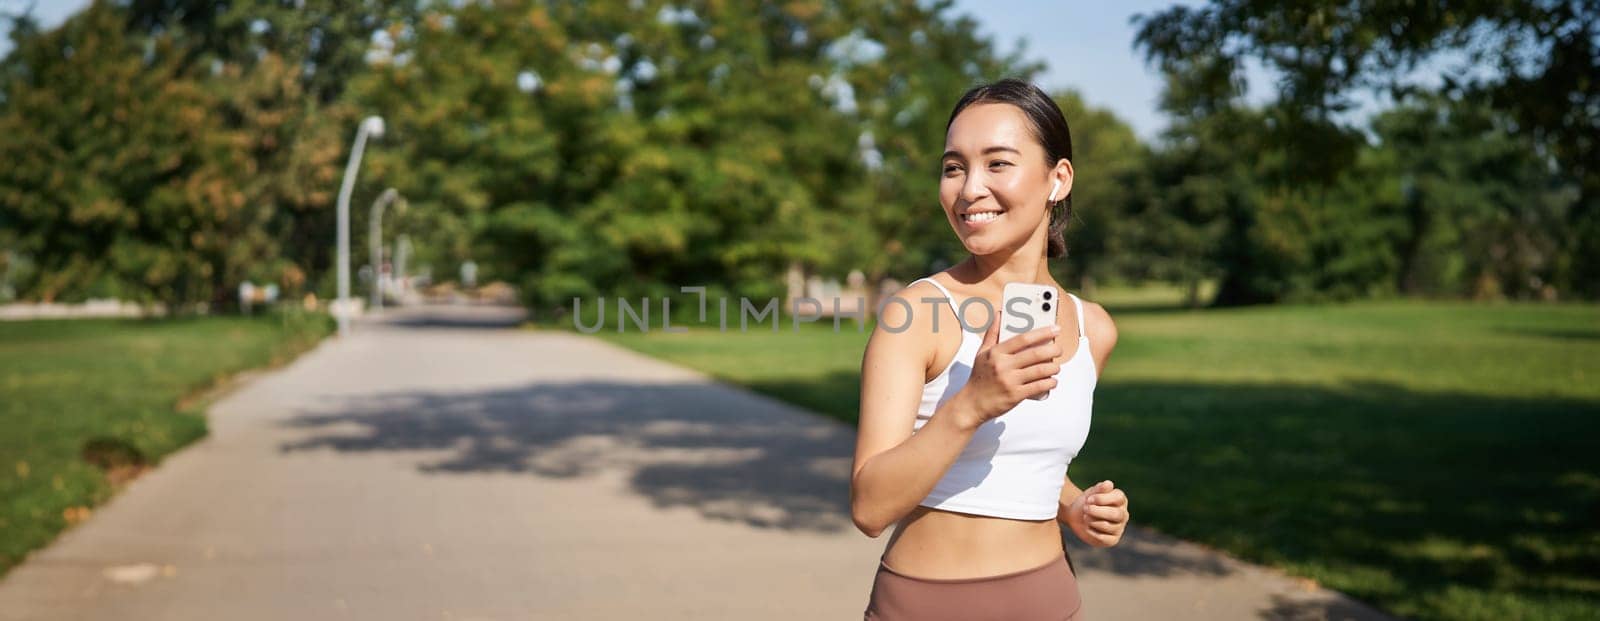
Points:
point(1047, 306)
point(1047, 296)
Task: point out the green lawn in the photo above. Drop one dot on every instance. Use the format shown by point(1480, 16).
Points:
point(1440, 460)
point(110, 389)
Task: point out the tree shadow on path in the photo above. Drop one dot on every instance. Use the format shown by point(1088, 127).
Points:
point(729, 454)
point(726, 453)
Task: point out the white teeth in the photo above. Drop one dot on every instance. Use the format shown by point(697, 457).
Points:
point(983, 216)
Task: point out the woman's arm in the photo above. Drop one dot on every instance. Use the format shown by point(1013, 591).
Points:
point(894, 469)
point(1069, 495)
point(1102, 335)
point(1068, 511)
point(1098, 515)
point(1097, 520)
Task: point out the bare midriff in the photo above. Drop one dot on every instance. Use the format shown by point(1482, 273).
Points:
point(940, 545)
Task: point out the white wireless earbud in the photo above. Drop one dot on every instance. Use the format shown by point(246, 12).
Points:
point(1055, 187)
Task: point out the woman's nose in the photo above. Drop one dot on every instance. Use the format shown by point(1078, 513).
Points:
point(975, 188)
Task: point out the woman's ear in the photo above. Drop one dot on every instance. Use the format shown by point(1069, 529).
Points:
point(1062, 173)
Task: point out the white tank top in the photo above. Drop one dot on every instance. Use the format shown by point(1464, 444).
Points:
point(1015, 464)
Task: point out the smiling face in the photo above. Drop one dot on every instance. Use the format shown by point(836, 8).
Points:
point(995, 180)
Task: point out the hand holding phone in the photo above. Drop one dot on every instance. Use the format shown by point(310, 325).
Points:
point(1017, 359)
point(1025, 307)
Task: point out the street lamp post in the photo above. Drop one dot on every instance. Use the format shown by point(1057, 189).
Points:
point(375, 242)
point(373, 126)
point(402, 252)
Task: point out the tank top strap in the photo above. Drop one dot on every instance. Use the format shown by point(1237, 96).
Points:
point(951, 300)
point(1079, 304)
point(948, 298)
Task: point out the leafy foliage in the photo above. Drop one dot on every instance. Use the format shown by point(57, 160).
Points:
point(1525, 71)
point(166, 150)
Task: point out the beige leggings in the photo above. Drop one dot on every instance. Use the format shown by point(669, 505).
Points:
point(1045, 593)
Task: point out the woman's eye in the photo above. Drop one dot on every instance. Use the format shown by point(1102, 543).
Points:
point(999, 164)
point(951, 169)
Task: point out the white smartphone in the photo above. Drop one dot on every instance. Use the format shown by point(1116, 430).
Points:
point(1025, 307)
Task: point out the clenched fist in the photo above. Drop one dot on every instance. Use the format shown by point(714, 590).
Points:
point(1099, 515)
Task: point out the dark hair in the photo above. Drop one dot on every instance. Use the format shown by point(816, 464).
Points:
point(1049, 127)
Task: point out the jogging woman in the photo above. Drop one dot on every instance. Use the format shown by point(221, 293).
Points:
point(951, 448)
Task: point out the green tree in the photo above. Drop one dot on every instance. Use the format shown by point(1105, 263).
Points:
point(282, 70)
point(1483, 212)
point(1533, 61)
point(1112, 179)
point(163, 179)
point(118, 179)
point(628, 149)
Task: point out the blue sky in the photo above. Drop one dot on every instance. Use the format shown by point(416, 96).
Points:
point(1087, 45)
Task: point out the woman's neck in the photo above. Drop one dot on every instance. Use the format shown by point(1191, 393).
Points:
point(997, 270)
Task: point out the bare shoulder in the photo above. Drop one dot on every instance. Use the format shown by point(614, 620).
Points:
point(1102, 332)
point(904, 302)
point(1098, 323)
point(893, 368)
point(903, 323)
point(902, 308)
